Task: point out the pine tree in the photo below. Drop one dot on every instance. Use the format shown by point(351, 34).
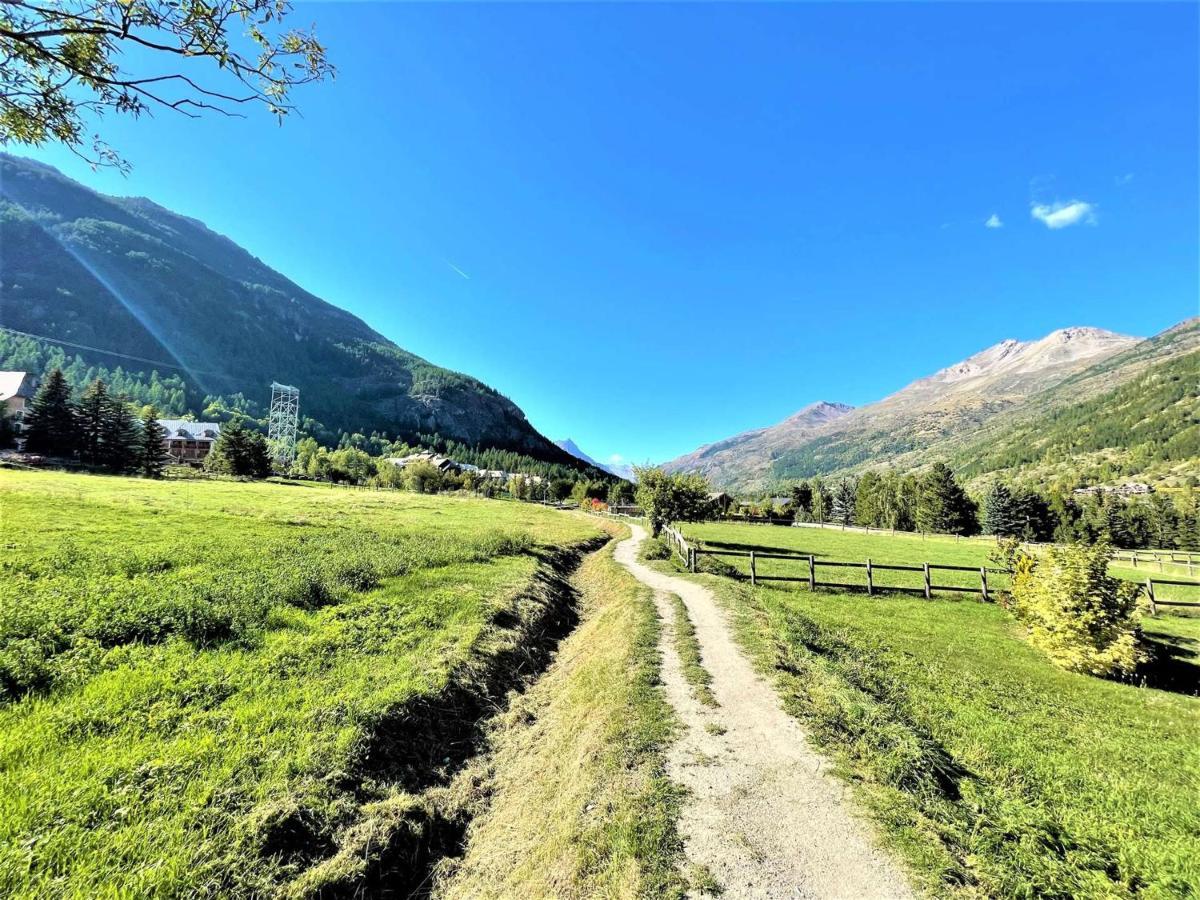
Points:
point(50, 425)
point(1001, 513)
point(151, 450)
point(119, 447)
point(239, 451)
point(844, 496)
point(8, 434)
point(92, 411)
point(942, 505)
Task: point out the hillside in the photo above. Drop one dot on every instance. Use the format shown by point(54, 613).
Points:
point(746, 458)
point(126, 275)
point(1088, 430)
point(959, 411)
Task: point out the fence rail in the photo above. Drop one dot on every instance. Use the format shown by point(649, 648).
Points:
point(690, 552)
point(1181, 559)
point(1155, 603)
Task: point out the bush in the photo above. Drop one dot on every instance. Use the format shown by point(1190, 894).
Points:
point(1077, 614)
point(423, 477)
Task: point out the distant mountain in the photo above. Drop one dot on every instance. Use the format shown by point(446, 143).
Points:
point(621, 471)
point(944, 414)
point(123, 274)
point(746, 458)
point(1136, 414)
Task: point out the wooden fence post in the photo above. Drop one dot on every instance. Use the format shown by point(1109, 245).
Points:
point(692, 562)
point(983, 582)
point(1135, 559)
point(753, 574)
point(1150, 596)
point(812, 573)
point(928, 583)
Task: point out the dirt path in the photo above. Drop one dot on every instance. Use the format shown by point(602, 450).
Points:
point(763, 817)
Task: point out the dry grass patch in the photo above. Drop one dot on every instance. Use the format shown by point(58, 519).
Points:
point(579, 804)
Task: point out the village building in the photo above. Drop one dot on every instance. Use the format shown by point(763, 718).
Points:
point(720, 501)
point(188, 443)
point(441, 463)
point(17, 390)
point(16, 393)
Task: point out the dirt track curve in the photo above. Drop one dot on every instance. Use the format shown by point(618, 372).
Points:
point(763, 817)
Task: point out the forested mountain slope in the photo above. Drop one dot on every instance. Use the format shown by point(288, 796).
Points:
point(1038, 409)
point(126, 275)
point(1087, 431)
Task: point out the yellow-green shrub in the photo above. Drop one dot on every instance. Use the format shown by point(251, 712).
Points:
point(1077, 614)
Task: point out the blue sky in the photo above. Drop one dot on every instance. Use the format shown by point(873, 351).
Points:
point(653, 226)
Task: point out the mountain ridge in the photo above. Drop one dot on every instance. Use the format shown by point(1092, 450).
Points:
point(933, 416)
point(129, 275)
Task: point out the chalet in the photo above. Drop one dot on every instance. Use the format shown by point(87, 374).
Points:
point(187, 443)
point(720, 501)
point(441, 463)
point(16, 393)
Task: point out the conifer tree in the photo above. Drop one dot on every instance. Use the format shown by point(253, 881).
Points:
point(239, 451)
point(1001, 513)
point(8, 434)
point(50, 425)
point(91, 412)
point(942, 505)
point(119, 448)
point(844, 497)
point(151, 449)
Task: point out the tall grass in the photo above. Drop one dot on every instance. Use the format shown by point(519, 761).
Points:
point(199, 677)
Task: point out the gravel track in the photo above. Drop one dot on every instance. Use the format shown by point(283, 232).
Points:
point(764, 817)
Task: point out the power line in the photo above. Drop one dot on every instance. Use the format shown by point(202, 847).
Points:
point(142, 359)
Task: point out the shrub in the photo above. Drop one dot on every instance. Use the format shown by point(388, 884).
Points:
point(1077, 614)
point(423, 477)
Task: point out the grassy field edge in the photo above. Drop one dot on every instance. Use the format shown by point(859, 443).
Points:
point(429, 748)
point(573, 800)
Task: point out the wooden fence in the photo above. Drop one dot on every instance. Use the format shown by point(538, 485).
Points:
point(1182, 559)
point(1155, 603)
point(689, 554)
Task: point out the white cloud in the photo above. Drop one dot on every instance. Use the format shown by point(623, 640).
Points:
point(1124, 179)
point(616, 459)
point(993, 222)
point(1060, 215)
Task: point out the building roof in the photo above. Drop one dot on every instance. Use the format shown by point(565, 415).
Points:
point(192, 431)
point(11, 382)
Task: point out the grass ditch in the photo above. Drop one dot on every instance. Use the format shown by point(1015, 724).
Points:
point(416, 801)
point(573, 797)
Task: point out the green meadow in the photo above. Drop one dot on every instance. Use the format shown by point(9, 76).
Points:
point(992, 772)
point(203, 684)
